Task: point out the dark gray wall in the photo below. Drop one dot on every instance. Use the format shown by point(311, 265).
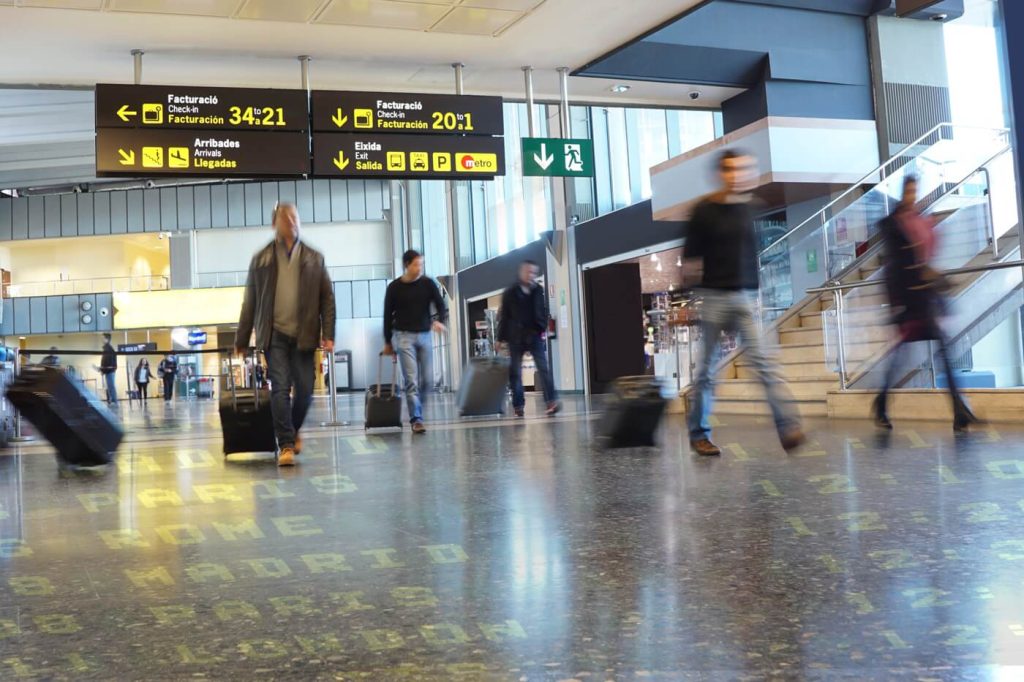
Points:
point(498, 273)
point(56, 315)
point(623, 231)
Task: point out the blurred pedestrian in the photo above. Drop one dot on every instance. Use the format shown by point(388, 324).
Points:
point(108, 368)
point(51, 360)
point(915, 297)
point(142, 378)
point(721, 258)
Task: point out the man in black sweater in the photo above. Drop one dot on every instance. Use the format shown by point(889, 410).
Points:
point(721, 257)
point(408, 321)
point(522, 324)
point(108, 368)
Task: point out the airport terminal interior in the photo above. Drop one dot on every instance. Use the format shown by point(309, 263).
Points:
point(214, 213)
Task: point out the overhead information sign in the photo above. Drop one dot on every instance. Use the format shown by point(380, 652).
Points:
point(159, 106)
point(422, 114)
point(556, 157)
point(184, 152)
point(408, 156)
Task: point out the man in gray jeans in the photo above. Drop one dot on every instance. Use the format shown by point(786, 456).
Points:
point(289, 302)
point(408, 321)
point(721, 256)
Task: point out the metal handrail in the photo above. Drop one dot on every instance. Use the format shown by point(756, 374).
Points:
point(880, 169)
point(836, 286)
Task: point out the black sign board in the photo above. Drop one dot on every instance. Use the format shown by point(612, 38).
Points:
point(199, 108)
point(149, 347)
point(380, 112)
point(195, 153)
point(408, 156)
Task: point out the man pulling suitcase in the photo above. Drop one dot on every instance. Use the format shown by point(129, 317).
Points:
point(522, 323)
point(289, 302)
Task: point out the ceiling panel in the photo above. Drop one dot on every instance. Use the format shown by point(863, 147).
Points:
point(383, 14)
point(472, 21)
point(275, 10)
point(60, 4)
point(516, 5)
point(205, 8)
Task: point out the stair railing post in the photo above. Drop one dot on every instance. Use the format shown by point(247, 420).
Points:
point(841, 338)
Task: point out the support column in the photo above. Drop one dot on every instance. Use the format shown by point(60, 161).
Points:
point(561, 265)
point(137, 64)
point(455, 316)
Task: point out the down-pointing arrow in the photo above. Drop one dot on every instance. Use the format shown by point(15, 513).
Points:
point(544, 160)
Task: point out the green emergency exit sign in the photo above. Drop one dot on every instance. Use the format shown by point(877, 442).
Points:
point(556, 157)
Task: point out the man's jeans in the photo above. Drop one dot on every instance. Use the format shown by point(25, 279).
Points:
point(289, 368)
point(535, 347)
point(111, 380)
point(414, 349)
point(734, 311)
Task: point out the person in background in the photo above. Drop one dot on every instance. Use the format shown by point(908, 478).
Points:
point(142, 378)
point(522, 325)
point(108, 368)
point(721, 258)
point(408, 321)
point(289, 303)
point(915, 296)
point(51, 360)
point(168, 370)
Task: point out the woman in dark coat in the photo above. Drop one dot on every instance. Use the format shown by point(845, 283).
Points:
point(915, 297)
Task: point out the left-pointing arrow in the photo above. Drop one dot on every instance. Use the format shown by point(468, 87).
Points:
point(341, 162)
point(124, 113)
point(127, 157)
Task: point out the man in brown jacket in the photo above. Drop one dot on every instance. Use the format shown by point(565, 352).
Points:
point(289, 302)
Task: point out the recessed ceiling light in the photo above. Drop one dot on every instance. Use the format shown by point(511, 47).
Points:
point(619, 89)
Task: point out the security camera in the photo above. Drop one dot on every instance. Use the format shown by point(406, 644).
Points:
point(694, 94)
point(150, 184)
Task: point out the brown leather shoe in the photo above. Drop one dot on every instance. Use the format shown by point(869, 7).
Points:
point(792, 439)
point(418, 427)
point(520, 412)
point(554, 408)
point(298, 444)
point(705, 448)
point(286, 458)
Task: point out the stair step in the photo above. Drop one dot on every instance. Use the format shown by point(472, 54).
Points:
point(811, 320)
point(759, 407)
point(801, 337)
point(792, 372)
point(752, 389)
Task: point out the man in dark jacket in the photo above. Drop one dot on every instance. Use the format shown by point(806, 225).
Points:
point(108, 368)
point(522, 324)
point(168, 371)
point(289, 303)
point(408, 321)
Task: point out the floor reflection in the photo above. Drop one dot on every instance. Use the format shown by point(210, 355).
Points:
point(504, 549)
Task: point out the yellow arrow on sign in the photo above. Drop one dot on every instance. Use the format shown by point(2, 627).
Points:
point(127, 157)
point(124, 113)
point(339, 118)
point(341, 162)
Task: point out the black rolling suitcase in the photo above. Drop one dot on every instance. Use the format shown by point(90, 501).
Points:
point(383, 401)
point(634, 412)
point(484, 388)
point(68, 415)
point(246, 421)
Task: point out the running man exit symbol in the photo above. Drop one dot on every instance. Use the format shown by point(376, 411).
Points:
point(574, 158)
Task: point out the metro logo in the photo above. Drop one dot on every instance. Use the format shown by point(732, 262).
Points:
point(476, 163)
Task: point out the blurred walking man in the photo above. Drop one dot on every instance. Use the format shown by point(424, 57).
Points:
point(289, 302)
point(721, 257)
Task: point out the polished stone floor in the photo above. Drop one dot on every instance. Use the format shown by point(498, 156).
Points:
point(512, 550)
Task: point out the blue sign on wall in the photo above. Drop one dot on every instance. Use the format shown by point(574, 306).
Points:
point(196, 338)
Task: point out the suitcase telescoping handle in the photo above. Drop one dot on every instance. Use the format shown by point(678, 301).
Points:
point(231, 381)
point(394, 373)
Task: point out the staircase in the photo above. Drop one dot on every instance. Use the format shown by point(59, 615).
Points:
point(807, 332)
